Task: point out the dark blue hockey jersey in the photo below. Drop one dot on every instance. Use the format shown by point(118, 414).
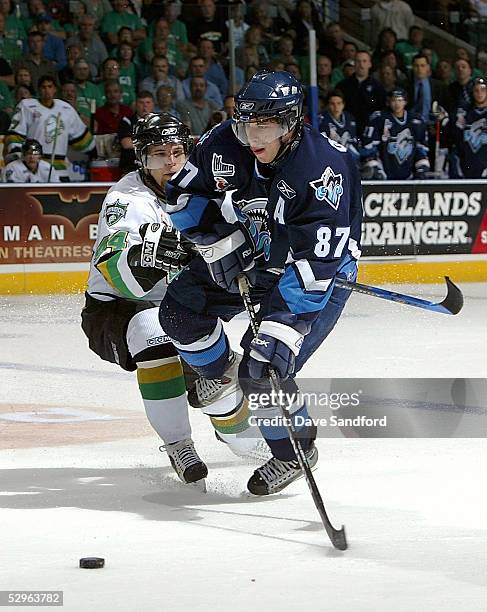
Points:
point(308, 212)
point(343, 130)
point(470, 140)
point(399, 145)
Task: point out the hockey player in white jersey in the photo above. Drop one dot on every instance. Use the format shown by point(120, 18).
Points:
point(31, 168)
point(52, 122)
point(135, 255)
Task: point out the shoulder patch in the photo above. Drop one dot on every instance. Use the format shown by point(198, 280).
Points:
point(329, 187)
point(115, 211)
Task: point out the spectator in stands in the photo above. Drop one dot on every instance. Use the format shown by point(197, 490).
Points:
point(363, 94)
point(144, 104)
point(424, 90)
point(239, 25)
point(252, 50)
point(469, 130)
point(23, 77)
point(229, 106)
point(444, 72)
point(323, 73)
point(166, 100)
point(6, 73)
point(129, 72)
point(161, 31)
point(37, 9)
point(348, 54)
point(209, 24)
point(411, 47)
point(21, 92)
point(214, 70)
point(35, 61)
point(118, 17)
point(272, 28)
point(304, 19)
point(70, 95)
point(53, 45)
point(97, 9)
point(197, 109)
point(160, 76)
point(479, 8)
point(13, 24)
point(391, 59)
point(386, 42)
point(109, 116)
point(431, 55)
point(10, 48)
point(74, 52)
point(94, 49)
point(460, 90)
point(394, 14)
point(333, 42)
point(198, 68)
point(111, 70)
point(6, 99)
point(87, 93)
point(170, 11)
point(294, 69)
point(339, 125)
point(51, 121)
point(387, 76)
point(285, 49)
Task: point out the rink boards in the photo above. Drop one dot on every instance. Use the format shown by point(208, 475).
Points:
point(413, 232)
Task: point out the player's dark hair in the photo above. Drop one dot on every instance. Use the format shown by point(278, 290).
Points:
point(145, 94)
point(421, 56)
point(46, 78)
point(334, 93)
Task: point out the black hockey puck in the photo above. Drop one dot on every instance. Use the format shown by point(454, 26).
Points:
point(92, 562)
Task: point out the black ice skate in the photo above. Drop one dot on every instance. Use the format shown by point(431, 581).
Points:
point(206, 391)
point(276, 475)
point(185, 461)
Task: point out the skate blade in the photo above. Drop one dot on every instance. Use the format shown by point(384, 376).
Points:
point(199, 485)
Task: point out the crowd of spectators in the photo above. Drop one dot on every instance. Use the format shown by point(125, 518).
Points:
point(113, 61)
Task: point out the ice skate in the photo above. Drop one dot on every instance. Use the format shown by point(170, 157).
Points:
point(207, 391)
point(185, 461)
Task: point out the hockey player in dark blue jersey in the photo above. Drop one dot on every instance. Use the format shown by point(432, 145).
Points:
point(395, 143)
point(263, 195)
point(339, 125)
point(470, 134)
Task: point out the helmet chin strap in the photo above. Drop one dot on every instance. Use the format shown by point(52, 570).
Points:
point(151, 182)
point(284, 148)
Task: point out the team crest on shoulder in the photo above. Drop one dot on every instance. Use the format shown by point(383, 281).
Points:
point(115, 211)
point(329, 188)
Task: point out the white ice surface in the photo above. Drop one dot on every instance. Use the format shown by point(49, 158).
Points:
point(415, 510)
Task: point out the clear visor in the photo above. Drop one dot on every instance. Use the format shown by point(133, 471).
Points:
point(258, 133)
point(165, 158)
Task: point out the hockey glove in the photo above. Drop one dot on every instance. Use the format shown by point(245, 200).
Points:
point(162, 249)
point(421, 170)
point(276, 345)
point(228, 257)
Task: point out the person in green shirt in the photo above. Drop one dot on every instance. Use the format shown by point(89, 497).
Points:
point(13, 22)
point(37, 9)
point(162, 32)
point(129, 71)
point(407, 49)
point(10, 47)
point(87, 93)
point(6, 99)
point(113, 21)
point(111, 70)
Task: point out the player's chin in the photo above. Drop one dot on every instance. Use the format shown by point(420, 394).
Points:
point(260, 153)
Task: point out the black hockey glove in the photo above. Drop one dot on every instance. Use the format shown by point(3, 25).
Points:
point(162, 249)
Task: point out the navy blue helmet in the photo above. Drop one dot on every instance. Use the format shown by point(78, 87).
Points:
point(276, 96)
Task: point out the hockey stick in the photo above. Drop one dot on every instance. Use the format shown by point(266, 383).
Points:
point(53, 153)
point(451, 305)
point(337, 536)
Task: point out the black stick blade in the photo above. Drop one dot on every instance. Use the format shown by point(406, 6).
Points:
point(453, 302)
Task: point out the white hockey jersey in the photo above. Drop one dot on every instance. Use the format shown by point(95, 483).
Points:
point(127, 205)
point(17, 172)
point(31, 119)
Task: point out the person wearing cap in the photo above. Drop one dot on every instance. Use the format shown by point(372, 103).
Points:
point(31, 168)
point(469, 134)
point(53, 45)
point(395, 142)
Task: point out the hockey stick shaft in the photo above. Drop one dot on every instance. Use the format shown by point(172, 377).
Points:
point(53, 153)
point(451, 305)
point(337, 536)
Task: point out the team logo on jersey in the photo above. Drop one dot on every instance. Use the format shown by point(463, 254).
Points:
point(254, 216)
point(115, 211)
point(476, 135)
point(220, 168)
point(221, 183)
point(329, 187)
point(401, 146)
point(53, 128)
point(287, 192)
